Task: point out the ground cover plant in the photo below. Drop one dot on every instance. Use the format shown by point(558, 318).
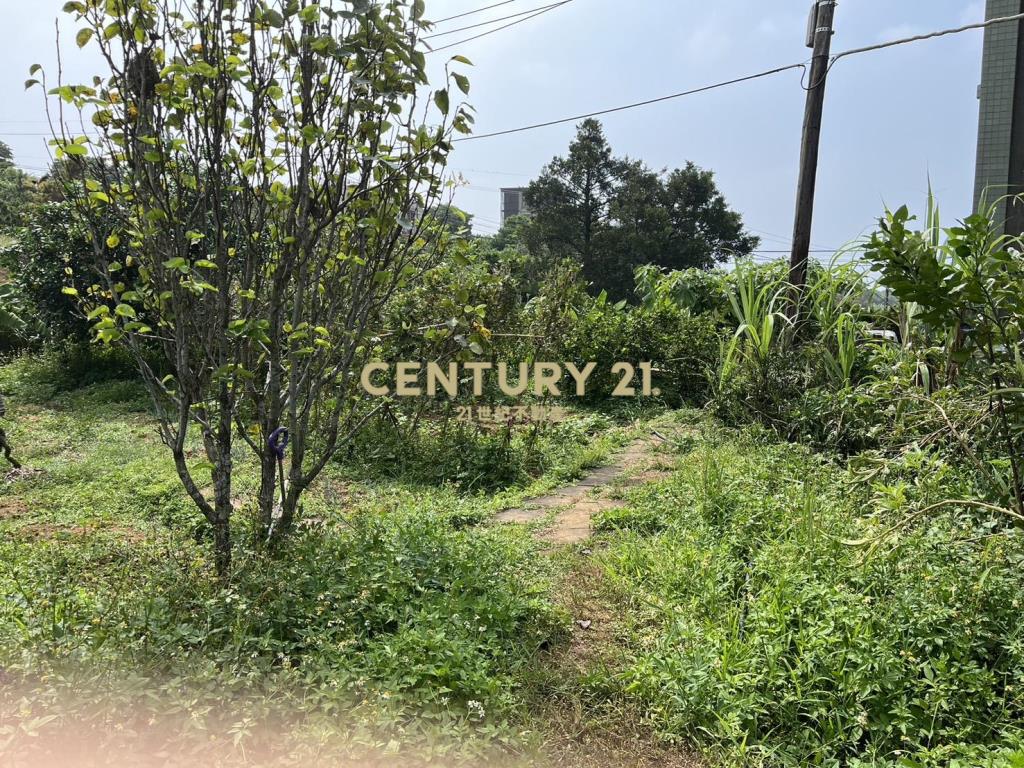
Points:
point(755, 625)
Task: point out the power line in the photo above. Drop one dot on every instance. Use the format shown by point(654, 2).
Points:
point(782, 239)
point(814, 250)
point(491, 173)
point(491, 21)
point(471, 13)
point(735, 81)
point(927, 36)
point(912, 39)
point(548, 9)
point(759, 75)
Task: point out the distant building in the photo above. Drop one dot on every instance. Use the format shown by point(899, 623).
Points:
point(512, 203)
point(1000, 166)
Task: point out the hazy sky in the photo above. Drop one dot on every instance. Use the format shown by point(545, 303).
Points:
point(892, 118)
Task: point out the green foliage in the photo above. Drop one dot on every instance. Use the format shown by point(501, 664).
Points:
point(58, 369)
point(17, 191)
point(785, 645)
point(399, 617)
point(475, 458)
point(392, 610)
point(266, 190)
point(53, 251)
point(969, 289)
point(18, 326)
point(612, 215)
point(445, 314)
point(698, 291)
point(579, 328)
point(759, 312)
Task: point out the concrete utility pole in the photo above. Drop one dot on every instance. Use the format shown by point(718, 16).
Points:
point(820, 31)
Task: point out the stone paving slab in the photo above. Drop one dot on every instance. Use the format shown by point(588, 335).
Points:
point(579, 503)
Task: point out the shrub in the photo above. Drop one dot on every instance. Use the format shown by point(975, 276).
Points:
point(683, 348)
point(52, 242)
point(64, 368)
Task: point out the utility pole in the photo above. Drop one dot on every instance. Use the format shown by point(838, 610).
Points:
point(819, 36)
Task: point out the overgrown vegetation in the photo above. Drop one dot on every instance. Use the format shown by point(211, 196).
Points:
point(752, 620)
point(821, 565)
point(393, 608)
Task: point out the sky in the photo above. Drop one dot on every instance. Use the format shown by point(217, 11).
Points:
point(893, 119)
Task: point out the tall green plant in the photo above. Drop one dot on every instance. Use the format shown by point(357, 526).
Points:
point(969, 279)
point(841, 360)
point(758, 306)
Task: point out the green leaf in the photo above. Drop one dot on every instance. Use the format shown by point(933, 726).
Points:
point(125, 310)
point(441, 99)
point(83, 37)
point(113, 241)
point(203, 68)
point(76, 150)
point(310, 133)
point(462, 60)
point(463, 82)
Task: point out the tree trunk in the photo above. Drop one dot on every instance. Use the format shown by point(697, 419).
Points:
point(222, 546)
point(5, 447)
point(269, 494)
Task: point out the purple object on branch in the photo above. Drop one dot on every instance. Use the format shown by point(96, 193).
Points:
point(278, 441)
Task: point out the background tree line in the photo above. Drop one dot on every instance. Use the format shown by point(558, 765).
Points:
point(611, 215)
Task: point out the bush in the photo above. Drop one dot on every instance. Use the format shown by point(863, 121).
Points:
point(65, 368)
point(52, 251)
point(471, 457)
point(683, 348)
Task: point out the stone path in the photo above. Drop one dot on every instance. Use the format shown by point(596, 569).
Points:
point(577, 504)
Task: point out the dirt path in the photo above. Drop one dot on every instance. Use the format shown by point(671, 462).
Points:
point(576, 505)
point(612, 733)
